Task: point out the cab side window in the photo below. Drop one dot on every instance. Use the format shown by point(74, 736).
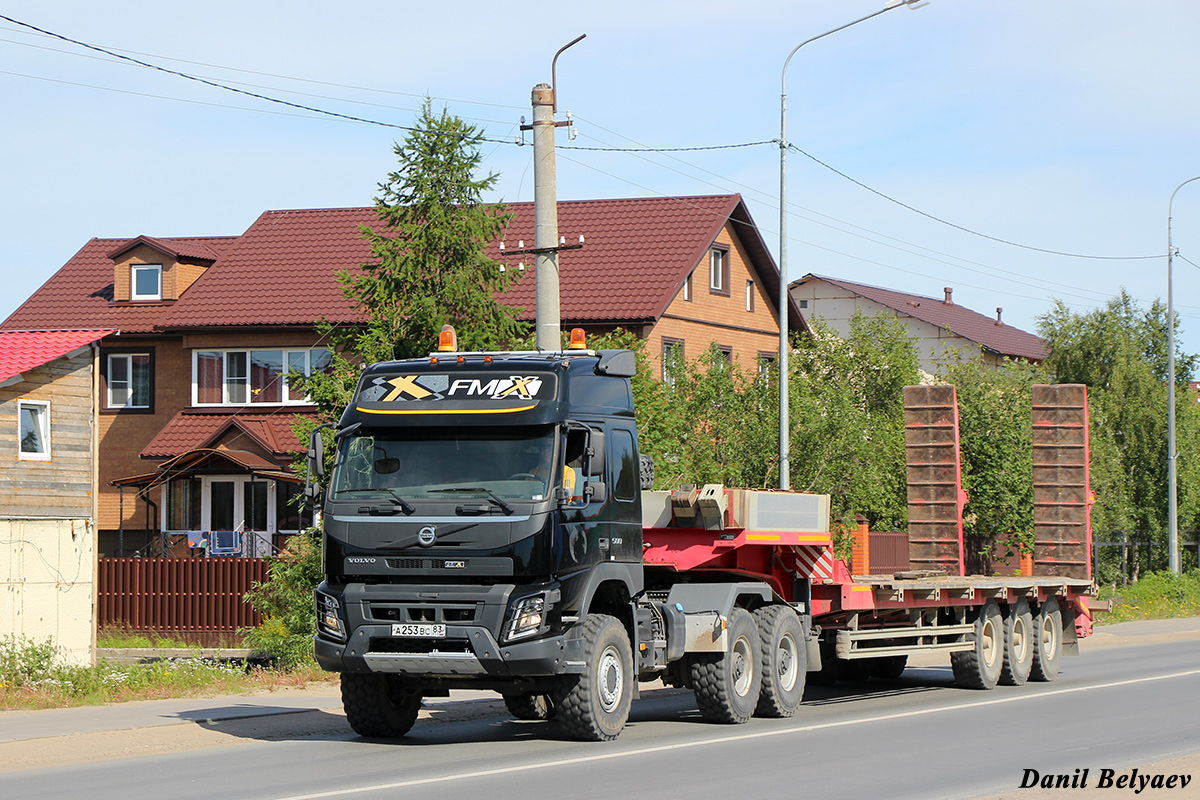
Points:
point(624, 465)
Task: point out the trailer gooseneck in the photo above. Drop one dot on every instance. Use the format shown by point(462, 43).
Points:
point(488, 524)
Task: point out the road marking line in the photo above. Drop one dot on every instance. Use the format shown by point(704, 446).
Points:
point(730, 738)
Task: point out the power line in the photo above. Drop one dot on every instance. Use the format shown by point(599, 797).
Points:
point(960, 227)
point(217, 85)
point(667, 149)
point(269, 74)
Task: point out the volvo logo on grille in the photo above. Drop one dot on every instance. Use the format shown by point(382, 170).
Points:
point(426, 535)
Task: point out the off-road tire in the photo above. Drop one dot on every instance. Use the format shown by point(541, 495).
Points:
point(1018, 644)
point(784, 661)
point(980, 667)
point(889, 667)
point(530, 705)
point(831, 667)
point(377, 706)
point(727, 684)
point(1047, 641)
point(594, 706)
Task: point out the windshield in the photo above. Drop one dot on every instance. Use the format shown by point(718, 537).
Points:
point(422, 464)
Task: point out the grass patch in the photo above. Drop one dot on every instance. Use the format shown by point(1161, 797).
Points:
point(32, 676)
point(1158, 595)
point(119, 638)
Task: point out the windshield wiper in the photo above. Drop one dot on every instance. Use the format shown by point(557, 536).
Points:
point(397, 501)
point(505, 507)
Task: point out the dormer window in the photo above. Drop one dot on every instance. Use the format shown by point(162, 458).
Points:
point(145, 282)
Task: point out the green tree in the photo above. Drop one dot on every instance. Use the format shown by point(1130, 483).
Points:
point(996, 448)
point(429, 267)
point(285, 601)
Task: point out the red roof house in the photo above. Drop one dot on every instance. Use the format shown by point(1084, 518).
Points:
point(940, 327)
point(207, 329)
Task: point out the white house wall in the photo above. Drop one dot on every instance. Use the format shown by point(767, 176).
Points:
point(836, 306)
point(47, 583)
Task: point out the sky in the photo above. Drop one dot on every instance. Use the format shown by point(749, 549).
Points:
point(971, 136)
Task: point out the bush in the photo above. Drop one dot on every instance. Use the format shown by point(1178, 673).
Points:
point(24, 661)
point(285, 601)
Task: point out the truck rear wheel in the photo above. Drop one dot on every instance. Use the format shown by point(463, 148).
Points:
point(377, 705)
point(595, 705)
point(530, 705)
point(1018, 644)
point(979, 667)
point(1047, 641)
point(727, 684)
point(784, 661)
point(889, 667)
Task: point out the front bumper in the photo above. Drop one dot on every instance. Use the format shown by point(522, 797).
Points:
point(469, 649)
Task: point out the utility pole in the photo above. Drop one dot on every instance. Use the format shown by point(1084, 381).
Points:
point(545, 214)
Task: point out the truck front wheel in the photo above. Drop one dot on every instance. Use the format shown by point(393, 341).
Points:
point(595, 705)
point(377, 705)
point(727, 684)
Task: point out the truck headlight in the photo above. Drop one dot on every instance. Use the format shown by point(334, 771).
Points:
point(528, 614)
point(329, 616)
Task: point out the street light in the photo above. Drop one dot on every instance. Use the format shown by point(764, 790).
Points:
point(1172, 500)
point(785, 478)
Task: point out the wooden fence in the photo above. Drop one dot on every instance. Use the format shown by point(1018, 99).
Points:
point(198, 599)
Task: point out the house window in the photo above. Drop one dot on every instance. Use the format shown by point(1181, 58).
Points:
point(766, 366)
point(687, 287)
point(750, 296)
point(129, 380)
point(145, 282)
point(672, 359)
point(718, 270)
point(34, 431)
point(726, 354)
point(804, 304)
point(249, 377)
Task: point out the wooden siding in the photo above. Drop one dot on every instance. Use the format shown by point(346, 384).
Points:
point(62, 486)
point(710, 317)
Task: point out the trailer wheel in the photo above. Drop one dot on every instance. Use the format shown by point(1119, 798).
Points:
point(1047, 641)
point(1018, 644)
point(727, 684)
point(980, 667)
point(377, 705)
point(784, 661)
point(889, 667)
point(529, 705)
point(594, 706)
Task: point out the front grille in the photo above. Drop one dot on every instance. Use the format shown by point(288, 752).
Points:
point(389, 645)
point(421, 613)
point(424, 563)
point(408, 563)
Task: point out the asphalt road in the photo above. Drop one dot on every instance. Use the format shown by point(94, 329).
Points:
point(915, 737)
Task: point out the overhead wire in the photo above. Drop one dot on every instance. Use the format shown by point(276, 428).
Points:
point(222, 86)
point(960, 227)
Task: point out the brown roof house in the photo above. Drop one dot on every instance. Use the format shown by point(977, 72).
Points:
point(939, 327)
point(194, 413)
point(47, 479)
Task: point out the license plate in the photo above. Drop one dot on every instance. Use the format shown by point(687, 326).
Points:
point(422, 631)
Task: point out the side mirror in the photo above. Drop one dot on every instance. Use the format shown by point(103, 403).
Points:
point(595, 492)
point(595, 454)
point(316, 454)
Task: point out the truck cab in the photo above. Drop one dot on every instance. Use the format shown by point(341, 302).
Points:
point(479, 505)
